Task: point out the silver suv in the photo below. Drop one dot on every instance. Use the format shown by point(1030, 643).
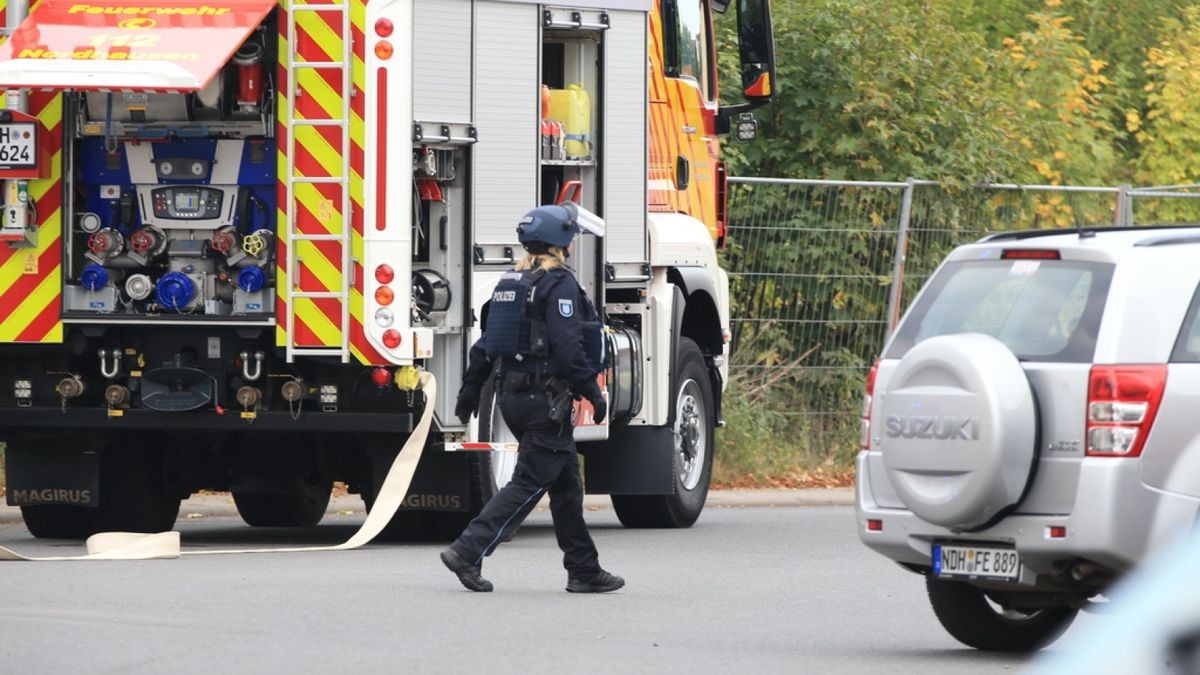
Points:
point(1032, 430)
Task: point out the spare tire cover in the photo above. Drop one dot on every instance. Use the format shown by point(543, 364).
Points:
point(959, 433)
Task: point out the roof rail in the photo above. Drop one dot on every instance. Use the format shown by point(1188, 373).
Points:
point(1033, 234)
point(1170, 239)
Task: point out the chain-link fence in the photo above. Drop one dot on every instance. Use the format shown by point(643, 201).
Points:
point(821, 270)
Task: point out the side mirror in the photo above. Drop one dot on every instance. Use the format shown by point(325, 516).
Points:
point(756, 51)
point(756, 47)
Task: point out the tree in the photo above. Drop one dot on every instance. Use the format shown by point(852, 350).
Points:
point(871, 90)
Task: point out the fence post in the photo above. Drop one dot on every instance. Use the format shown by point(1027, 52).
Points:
point(1124, 211)
point(893, 315)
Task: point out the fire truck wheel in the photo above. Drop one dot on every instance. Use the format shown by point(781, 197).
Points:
point(56, 521)
point(302, 506)
point(693, 453)
point(134, 493)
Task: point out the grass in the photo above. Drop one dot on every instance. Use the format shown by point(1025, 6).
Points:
point(764, 446)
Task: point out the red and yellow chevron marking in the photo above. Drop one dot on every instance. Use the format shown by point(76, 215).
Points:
point(676, 103)
point(31, 278)
point(319, 153)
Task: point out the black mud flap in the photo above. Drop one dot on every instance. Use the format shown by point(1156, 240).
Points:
point(633, 461)
point(441, 483)
point(37, 477)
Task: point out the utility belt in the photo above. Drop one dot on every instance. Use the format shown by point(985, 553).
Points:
point(558, 391)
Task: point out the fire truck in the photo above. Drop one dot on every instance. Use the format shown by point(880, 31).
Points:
point(235, 232)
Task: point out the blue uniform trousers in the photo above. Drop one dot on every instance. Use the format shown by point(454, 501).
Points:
point(538, 471)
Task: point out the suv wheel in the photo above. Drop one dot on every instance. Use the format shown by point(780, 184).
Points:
point(967, 614)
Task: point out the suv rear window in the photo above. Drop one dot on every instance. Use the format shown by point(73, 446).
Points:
point(1043, 310)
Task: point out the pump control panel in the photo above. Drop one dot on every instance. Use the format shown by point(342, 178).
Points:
point(187, 206)
point(187, 202)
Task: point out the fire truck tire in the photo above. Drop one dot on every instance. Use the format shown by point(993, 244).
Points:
point(57, 521)
point(303, 506)
point(134, 494)
point(693, 431)
point(495, 468)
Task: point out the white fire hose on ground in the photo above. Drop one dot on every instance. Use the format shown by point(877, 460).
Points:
point(135, 546)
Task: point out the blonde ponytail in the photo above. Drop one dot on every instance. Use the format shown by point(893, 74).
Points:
point(554, 257)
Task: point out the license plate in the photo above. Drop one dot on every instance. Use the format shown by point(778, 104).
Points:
point(976, 562)
point(18, 145)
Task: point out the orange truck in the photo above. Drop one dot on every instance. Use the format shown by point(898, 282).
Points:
point(234, 232)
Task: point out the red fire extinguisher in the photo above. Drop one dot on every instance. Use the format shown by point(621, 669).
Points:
point(248, 60)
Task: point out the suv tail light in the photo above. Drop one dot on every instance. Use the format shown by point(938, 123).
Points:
point(1122, 404)
point(868, 399)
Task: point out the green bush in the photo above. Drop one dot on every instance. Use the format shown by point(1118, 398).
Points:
point(762, 443)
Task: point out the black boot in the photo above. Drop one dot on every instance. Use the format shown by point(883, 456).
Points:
point(600, 582)
point(467, 573)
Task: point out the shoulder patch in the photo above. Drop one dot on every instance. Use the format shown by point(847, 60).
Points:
point(566, 308)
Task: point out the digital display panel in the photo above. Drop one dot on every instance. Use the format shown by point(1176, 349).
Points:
point(187, 202)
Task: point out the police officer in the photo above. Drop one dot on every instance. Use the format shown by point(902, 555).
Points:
point(546, 334)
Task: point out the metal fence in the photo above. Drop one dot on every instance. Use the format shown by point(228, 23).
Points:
point(820, 271)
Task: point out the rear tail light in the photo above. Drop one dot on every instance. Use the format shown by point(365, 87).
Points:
point(1122, 404)
point(868, 399)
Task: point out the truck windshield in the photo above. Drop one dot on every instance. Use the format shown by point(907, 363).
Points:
point(1043, 310)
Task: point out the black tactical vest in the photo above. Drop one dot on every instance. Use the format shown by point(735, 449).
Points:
point(515, 329)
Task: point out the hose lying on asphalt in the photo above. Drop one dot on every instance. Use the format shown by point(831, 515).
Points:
point(133, 546)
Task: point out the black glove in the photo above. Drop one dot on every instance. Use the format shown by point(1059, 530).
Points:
point(600, 407)
point(467, 403)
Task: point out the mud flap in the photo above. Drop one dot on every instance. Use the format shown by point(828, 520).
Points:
point(38, 477)
point(441, 483)
point(633, 461)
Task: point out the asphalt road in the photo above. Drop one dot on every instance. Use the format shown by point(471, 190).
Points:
point(763, 590)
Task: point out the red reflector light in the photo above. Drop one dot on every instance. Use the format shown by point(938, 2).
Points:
point(381, 377)
point(384, 274)
point(391, 338)
point(1056, 532)
point(1029, 254)
point(384, 295)
point(384, 27)
point(1122, 404)
point(874, 525)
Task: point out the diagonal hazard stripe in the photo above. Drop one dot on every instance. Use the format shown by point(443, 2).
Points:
point(45, 327)
point(315, 154)
point(327, 95)
point(322, 262)
point(43, 295)
point(324, 42)
point(312, 205)
point(13, 269)
point(325, 332)
point(24, 285)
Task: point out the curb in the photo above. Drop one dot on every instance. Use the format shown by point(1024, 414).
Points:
point(220, 505)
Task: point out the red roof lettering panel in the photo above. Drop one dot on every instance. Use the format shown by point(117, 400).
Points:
point(149, 45)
